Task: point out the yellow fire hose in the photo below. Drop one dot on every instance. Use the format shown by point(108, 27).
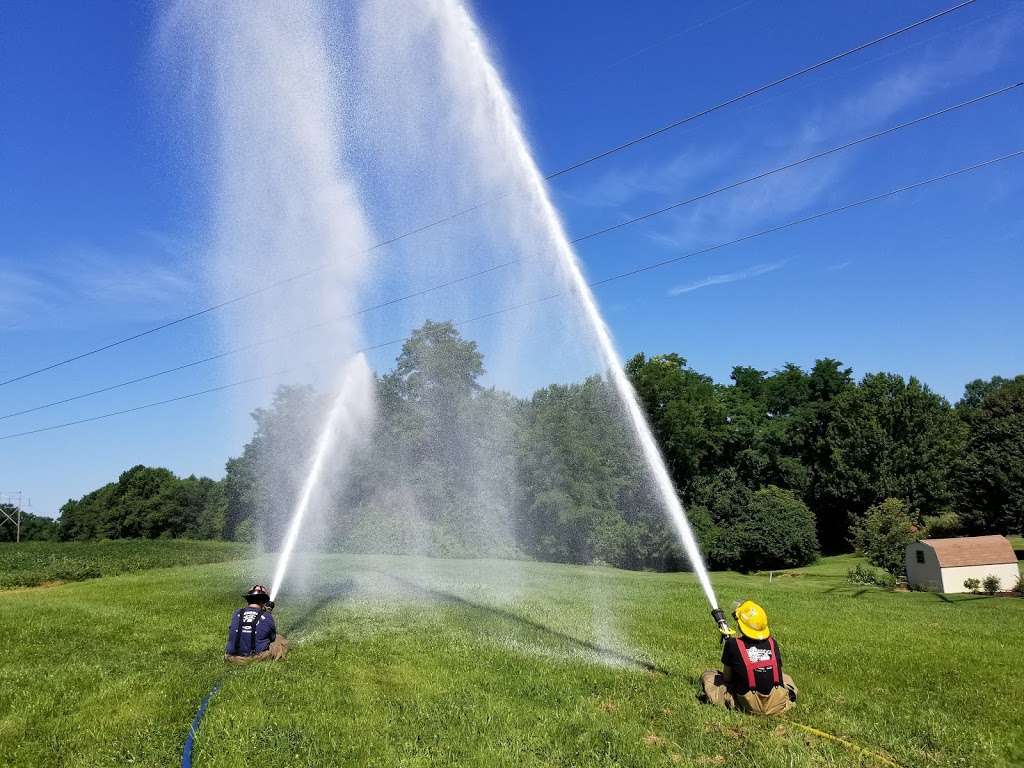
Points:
point(848, 744)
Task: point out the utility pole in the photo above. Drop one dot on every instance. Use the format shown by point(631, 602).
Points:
point(9, 498)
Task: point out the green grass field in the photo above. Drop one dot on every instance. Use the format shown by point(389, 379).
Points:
point(406, 662)
point(38, 562)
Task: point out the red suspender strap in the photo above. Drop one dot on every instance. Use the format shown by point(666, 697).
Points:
point(771, 663)
point(776, 669)
point(747, 664)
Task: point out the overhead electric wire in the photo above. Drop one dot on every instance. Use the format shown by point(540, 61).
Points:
point(755, 91)
point(813, 217)
point(179, 398)
point(555, 174)
point(110, 415)
point(801, 161)
point(889, 54)
point(502, 265)
point(593, 284)
point(262, 342)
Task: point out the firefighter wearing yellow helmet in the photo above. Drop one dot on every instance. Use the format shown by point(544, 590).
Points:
point(751, 679)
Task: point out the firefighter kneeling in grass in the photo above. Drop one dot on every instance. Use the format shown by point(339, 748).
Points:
point(252, 635)
point(751, 679)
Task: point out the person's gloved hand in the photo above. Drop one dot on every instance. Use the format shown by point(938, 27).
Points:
point(270, 605)
point(726, 632)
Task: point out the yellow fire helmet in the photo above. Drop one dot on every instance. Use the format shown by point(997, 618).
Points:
point(752, 620)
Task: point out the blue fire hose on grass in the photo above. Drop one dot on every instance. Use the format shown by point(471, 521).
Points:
point(186, 755)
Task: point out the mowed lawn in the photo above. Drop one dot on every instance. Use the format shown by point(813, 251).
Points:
point(413, 662)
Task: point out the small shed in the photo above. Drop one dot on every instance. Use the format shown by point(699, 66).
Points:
point(942, 565)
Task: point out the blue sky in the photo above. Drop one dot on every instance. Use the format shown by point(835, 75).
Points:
point(103, 206)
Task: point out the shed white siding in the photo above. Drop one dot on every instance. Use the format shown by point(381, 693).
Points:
point(927, 574)
point(953, 578)
point(944, 564)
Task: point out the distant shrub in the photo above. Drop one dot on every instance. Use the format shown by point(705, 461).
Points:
point(972, 585)
point(941, 526)
point(862, 574)
point(991, 584)
point(1019, 586)
point(866, 575)
point(886, 580)
point(884, 533)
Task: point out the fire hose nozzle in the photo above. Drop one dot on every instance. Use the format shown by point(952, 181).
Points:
point(719, 618)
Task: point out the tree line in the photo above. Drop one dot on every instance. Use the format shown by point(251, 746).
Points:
point(773, 467)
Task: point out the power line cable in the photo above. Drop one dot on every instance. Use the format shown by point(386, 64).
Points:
point(502, 265)
point(555, 174)
point(755, 91)
point(813, 217)
point(801, 161)
point(260, 343)
point(179, 398)
point(890, 54)
point(550, 297)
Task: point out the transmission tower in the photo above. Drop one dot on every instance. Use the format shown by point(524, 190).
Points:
point(14, 499)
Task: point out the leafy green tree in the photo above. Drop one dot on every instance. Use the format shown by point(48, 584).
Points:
point(944, 525)
point(828, 379)
point(888, 437)
point(756, 530)
point(990, 473)
point(685, 412)
point(977, 390)
point(584, 486)
point(262, 484)
point(787, 389)
point(197, 506)
point(768, 466)
point(241, 495)
point(883, 534)
point(717, 502)
point(437, 366)
point(451, 444)
point(146, 503)
point(750, 382)
point(778, 531)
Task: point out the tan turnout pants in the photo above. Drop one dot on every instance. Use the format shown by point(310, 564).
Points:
point(716, 692)
point(277, 650)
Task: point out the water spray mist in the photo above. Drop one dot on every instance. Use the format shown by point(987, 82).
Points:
point(457, 22)
point(349, 419)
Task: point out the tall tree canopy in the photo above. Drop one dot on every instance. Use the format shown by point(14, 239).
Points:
point(990, 477)
point(888, 437)
point(145, 503)
point(773, 466)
